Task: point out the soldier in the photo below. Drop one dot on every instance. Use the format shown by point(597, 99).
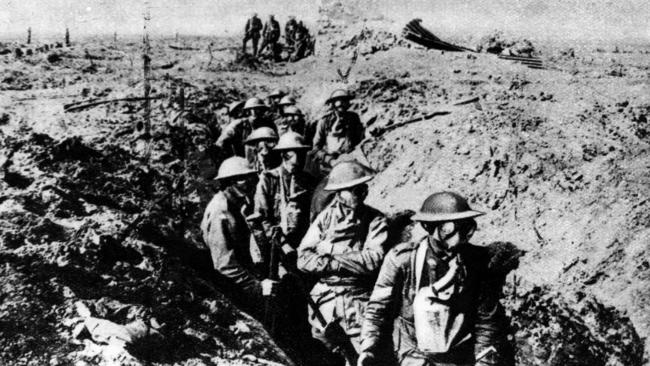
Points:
point(303, 43)
point(259, 149)
point(344, 248)
point(337, 133)
point(271, 35)
point(438, 289)
point(230, 142)
point(293, 120)
point(283, 194)
point(286, 101)
point(258, 114)
point(290, 31)
point(226, 232)
point(252, 32)
point(273, 100)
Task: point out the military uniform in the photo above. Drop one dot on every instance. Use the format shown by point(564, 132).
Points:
point(235, 134)
point(253, 28)
point(476, 322)
point(226, 233)
point(271, 34)
point(279, 191)
point(345, 249)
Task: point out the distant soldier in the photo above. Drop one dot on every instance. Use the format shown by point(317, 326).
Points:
point(290, 31)
point(337, 133)
point(271, 35)
point(344, 247)
point(303, 43)
point(259, 149)
point(438, 293)
point(227, 235)
point(252, 32)
point(283, 194)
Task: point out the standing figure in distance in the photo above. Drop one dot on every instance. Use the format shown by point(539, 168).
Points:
point(252, 32)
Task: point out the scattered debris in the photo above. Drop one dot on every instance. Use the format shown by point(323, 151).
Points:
point(415, 32)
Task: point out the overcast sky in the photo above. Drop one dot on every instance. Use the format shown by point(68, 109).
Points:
point(614, 19)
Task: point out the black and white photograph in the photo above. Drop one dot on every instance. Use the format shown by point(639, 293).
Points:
point(324, 183)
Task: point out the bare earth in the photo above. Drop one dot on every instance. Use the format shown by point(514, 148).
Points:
point(559, 158)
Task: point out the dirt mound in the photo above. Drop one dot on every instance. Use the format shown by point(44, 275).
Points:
point(550, 332)
point(498, 43)
point(93, 230)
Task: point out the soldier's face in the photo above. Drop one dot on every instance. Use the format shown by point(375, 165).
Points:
point(246, 185)
point(353, 197)
point(341, 105)
point(291, 161)
point(265, 147)
point(446, 234)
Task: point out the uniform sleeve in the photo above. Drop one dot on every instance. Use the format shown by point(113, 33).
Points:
point(264, 203)
point(378, 316)
point(367, 260)
point(320, 135)
point(225, 262)
point(309, 259)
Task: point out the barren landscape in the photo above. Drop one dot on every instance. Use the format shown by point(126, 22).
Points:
point(97, 226)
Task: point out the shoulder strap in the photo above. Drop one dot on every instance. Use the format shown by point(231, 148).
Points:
point(420, 255)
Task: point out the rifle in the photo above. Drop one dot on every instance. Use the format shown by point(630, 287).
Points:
point(269, 250)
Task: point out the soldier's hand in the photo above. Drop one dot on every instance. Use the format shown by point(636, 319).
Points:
point(269, 287)
point(366, 359)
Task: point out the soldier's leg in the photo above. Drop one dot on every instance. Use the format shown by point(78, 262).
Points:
point(255, 41)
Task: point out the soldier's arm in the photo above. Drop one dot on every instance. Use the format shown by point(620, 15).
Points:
point(309, 258)
point(321, 134)
point(367, 260)
point(225, 262)
point(264, 203)
point(381, 307)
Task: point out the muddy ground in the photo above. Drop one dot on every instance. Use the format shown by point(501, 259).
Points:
point(96, 225)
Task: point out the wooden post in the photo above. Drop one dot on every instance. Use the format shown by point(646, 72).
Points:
point(114, 37)
point(67, 37)
point(29, 35)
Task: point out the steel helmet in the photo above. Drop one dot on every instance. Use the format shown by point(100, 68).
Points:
point(445, 206)
point(277, 92)
point(287, 100)
point(292, 110)
point(339, 94)
point(235, 166)
point(348, 174)
point(291, 141)
point(235, 106)
point(261, 134)
point(254, 102)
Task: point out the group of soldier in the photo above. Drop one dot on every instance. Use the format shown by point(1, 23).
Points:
point(298, 41)
point(290, 229)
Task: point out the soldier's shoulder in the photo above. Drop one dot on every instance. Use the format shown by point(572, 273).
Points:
point(402, 252)
point(217, 207)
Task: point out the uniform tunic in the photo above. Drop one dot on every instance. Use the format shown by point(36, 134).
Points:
point(345, 249)
point(226, 233)
point(479, 320)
